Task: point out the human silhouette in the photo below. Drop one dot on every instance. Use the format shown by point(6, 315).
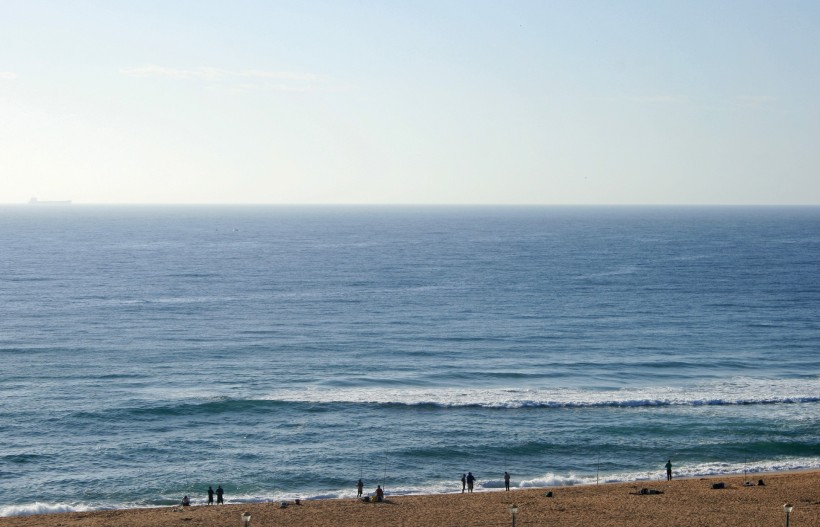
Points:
point(359, 488)
point(219, 493)
point(463, 483)
point(669, 470)
point(506, 480)
point(210, 495)
point(470, 481)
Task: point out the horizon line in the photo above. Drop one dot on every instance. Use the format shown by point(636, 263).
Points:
point(72, 203)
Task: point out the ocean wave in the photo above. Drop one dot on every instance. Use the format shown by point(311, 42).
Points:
point(734, 392)
point(22, 459)
point(553, 480)
point(697, 470)
point(43, 508)
point(211, 406)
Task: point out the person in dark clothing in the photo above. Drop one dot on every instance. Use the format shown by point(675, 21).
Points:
point(669, 470)
point(463, 483)
point(210, 495)
point(219, 493)
point(507, 480)
point(470, 481)
point(359, 488)
point(379, 493)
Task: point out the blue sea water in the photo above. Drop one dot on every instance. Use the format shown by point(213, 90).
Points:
point(283, 352)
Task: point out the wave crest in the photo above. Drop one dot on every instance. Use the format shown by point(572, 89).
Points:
point(42, 508)
point(745, 391)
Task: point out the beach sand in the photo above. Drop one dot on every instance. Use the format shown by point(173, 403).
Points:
point(685, 502)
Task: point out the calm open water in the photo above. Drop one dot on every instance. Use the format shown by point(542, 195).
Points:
point(282, 352)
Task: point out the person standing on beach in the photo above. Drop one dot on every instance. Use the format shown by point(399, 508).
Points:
point(210, 495)
point(470, 481)
point(379, 493)
point(219, 493)
point(669, 470)
point(506, 480)
point(463, 483)
point(359, 488)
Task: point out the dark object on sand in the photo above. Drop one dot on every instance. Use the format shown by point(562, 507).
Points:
point(720, 485)
point(650, 491)
point(760, 483)
point(548, 494)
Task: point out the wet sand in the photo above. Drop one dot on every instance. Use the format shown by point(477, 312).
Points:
point(686, 502)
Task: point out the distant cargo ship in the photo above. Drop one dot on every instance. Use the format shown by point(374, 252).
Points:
point(35, 201)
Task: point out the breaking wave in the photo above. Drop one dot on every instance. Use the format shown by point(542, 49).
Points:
point(43, 508)
point(741, 391)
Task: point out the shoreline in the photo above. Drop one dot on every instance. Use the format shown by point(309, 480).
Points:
point(683, 501)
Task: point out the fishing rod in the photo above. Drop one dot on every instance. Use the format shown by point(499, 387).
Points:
point(598, 468)
point(384, 475)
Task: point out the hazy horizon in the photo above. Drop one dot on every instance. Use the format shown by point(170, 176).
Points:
point(71, 203)
point(455, 102)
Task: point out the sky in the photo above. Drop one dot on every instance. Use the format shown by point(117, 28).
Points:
point(410, 102)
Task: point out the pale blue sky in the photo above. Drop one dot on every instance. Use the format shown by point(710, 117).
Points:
point(441, 102)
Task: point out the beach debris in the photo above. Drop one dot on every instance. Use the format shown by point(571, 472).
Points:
point(720, 485)
point(548, 494)
point(650, 491)
point(644, 491)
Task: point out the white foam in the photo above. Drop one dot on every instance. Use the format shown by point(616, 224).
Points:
point(737, 391)
point(555, 480)
point(491, 485)
point(683, 471)
point(42, 508)
point(563, 480)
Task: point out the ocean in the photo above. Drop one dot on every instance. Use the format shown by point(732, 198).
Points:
point(148, 352)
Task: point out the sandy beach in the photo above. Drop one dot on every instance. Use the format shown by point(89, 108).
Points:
point(685, 502)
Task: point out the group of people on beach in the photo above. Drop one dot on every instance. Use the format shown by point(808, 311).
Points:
point(378, 496)
point(186, 501)
point(219, 495)
point(468, 481)
point(467, 485)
